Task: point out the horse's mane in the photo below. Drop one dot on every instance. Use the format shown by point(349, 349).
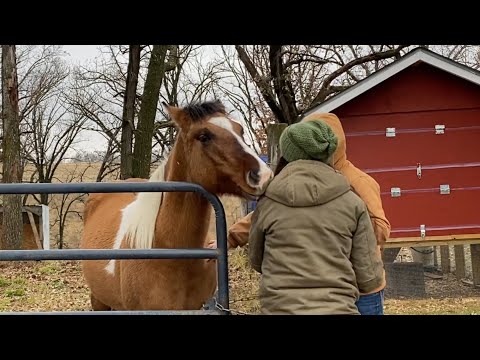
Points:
point(139, 217)
point(199, 111)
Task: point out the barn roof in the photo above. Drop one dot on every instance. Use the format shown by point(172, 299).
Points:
point(414, 56)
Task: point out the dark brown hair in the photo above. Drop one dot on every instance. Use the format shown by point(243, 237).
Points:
point(280, 165)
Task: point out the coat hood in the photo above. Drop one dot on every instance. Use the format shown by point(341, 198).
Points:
point(307, 183)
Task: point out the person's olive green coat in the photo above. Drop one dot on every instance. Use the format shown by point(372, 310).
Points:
point(313, 242)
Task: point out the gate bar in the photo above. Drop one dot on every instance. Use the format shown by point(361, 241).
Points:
point(114, 187)
point(120, 312)
point(96, 254)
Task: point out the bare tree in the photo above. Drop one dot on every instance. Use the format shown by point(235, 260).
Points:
point(108, 159)
point(160, 63)
point(98, 93)
point(96, 96)
point(53, 129)
point(66, 206)
point(463, 54)
point(192, 79)
point(277, 69)
point(109, 164)
point(41, 71)
point(12, 226)
point(236, 85)
point(128, 118)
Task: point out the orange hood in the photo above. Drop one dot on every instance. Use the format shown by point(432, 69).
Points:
point(363, 184)
point(340, 155)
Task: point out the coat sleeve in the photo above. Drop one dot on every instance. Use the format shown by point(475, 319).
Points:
point(239, 232)
point(367, 264)
point(257, 238)
point(369, 190)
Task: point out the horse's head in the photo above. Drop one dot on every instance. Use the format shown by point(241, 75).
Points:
point(216, 154)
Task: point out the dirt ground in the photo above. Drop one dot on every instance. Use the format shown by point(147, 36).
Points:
point(444, 295)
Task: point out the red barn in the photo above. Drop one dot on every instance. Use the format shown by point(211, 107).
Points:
point(415, 127)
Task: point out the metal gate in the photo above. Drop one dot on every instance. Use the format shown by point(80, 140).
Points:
point(218, 305)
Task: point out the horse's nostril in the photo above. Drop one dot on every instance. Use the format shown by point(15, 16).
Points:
point(254, 177)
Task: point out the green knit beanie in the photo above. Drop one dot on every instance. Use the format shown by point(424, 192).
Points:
point(311, 140)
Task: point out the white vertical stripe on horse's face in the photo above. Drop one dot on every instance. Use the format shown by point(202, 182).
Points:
point(265, 172)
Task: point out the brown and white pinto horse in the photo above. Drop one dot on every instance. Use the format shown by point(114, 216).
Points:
point(209, 151)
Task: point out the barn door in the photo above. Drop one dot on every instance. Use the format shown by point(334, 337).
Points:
point(429, 172)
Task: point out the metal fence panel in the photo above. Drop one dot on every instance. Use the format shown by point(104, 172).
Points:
point(93, 254)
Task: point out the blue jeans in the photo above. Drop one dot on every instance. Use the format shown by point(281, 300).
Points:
point(371, 304)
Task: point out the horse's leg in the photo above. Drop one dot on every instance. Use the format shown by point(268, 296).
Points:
point(97, 305)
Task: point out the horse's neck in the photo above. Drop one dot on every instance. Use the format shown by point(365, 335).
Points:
point(184, 217)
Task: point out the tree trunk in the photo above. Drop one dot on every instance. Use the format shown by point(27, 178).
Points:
point(12, 171)
point(282, 85)
point(60, 233)
point(44, 199)
point(42, 179)
point(142, 153)
point(126, 156)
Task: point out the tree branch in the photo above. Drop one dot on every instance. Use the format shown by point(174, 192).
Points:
point(261, 83)
point(325, 91)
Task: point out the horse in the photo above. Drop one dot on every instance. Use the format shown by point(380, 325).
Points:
point(210, 151)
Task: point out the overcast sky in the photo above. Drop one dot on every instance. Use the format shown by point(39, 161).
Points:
point(80, 53)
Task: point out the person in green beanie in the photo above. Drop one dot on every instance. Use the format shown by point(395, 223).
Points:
point(311, 236)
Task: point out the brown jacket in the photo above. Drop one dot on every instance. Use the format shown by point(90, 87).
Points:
point(313, 242)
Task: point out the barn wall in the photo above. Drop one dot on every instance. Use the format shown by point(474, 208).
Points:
point(413, 102)
point(420, 87)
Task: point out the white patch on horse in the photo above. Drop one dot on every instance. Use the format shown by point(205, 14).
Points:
point(223, 122)
point(122, 230)
point(139, 217)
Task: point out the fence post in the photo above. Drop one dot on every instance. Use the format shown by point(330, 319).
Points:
point(46, 226)
point(273, 137)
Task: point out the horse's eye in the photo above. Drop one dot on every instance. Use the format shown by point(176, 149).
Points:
point(204, 137)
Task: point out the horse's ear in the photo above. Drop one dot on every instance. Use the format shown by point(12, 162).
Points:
point(177, 115)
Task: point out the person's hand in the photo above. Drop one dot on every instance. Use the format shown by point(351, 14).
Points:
point(212, 244)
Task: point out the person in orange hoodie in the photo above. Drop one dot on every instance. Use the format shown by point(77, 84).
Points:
point(364, 186)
